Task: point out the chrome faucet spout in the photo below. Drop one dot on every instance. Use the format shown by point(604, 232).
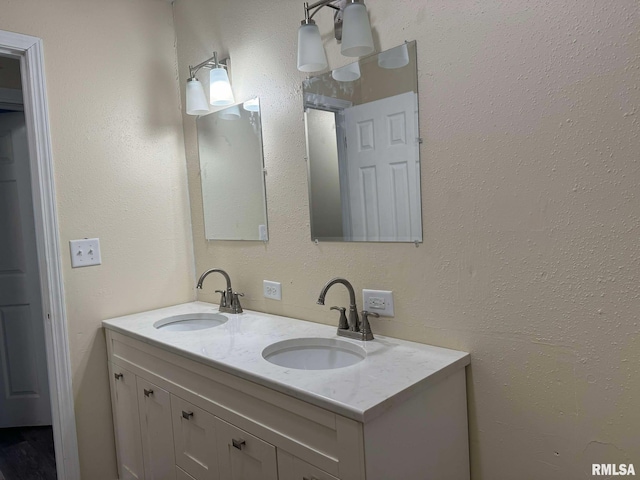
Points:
point(354, 321)
point(229, 301)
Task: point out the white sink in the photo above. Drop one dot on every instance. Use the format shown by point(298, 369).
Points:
point(314, 353)
point(190, 321)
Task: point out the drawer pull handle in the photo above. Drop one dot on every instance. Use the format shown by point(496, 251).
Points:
point(309, 478)
point(148, 393)
point(118, 376)
point(238, 443)
point(187, 415)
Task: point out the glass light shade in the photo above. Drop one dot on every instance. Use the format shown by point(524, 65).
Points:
point(230, 113)
point(356, 31)
point(348, 73)
point(311, 56)
point(397, 57)
point(196, 99)
point(252, 105)
point(220, 92)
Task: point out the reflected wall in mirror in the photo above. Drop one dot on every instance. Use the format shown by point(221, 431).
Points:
point(363, 150)
point(232, 173)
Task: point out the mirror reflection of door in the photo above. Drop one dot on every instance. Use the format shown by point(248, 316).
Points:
point(383, 170)
point(363, 151)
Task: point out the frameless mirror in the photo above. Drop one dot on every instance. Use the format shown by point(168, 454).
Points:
point(232, 173)
point(363, 150)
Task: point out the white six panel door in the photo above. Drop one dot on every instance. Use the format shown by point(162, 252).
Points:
point(24, 388)
point(157, 431)
point(383, 170)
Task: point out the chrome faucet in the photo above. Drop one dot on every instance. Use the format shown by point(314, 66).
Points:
point(352, 328)
point(229, 301)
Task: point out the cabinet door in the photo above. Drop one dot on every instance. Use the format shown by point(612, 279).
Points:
point(157, 431)
point(182, 475)
point(194, 439)
point(243, 456)
point(126, 420)
point(292, 468)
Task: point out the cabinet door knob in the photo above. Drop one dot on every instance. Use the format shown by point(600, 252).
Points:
point(148, 393)
point(187, 415)
point(118, 376)
point(238, 443)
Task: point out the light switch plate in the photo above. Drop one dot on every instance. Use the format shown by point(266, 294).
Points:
point(378, 301)
point(272, 290)
point(85, 252)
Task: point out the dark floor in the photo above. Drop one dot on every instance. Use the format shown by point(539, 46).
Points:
point(27, 454)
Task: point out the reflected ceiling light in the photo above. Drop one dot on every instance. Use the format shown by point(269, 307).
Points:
point(348, 73)
point(230, 113)
point(220, 93)
point(351, 25)
point(252, 105)
point(397, 57)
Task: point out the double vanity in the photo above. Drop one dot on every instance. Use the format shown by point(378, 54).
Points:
point(200, 394)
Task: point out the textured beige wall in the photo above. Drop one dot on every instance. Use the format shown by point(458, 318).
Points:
point(120, 176)
point(531, 212)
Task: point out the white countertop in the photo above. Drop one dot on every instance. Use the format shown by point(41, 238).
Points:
point(393, 370)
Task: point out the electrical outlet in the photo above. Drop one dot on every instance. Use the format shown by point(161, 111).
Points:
point(272, 290)
point(85, 252)
point(378, 301)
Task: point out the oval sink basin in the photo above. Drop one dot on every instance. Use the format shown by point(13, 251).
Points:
point(190, 321)
point(314, 353)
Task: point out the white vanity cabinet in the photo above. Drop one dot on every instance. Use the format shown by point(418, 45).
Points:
point(178, 417)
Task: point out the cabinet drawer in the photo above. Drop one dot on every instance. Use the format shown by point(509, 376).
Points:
point(243, 456)
point(195, 440)
point(292, 468)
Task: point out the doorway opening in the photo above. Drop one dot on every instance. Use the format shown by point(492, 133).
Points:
point(37, 421)
point(26, 433)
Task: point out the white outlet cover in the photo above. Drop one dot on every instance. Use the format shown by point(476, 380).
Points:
point(85, 252)
point(378, 301)
point(272, 290)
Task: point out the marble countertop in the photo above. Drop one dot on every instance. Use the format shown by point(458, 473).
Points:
point(393, 370)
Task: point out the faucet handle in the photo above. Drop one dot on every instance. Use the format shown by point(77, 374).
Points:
point(235, 302)
point(365, 327)
point(342, 323)
point(223, 297)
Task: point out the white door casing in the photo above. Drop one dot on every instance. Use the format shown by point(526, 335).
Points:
point(383, 170)
point(30, 52)
point(24, 390)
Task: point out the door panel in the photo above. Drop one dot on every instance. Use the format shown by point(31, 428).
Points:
point(292, 468)
point(127, 423)
point(154, 405)
point(243, 456)
point(24, 387)
point(194, 439)
point(383, 170)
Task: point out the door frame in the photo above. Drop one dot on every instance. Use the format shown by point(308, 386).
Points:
point(30, 52)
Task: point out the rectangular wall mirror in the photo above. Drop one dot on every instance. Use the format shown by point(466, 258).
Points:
point(232, 173)
point(363, 150)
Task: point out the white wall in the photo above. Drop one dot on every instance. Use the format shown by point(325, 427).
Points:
point(531, 212)
point(120, 176)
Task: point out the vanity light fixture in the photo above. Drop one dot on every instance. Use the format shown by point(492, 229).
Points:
point(220, 91)
point(351, 25)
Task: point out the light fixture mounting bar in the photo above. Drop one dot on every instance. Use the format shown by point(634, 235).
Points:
point(209, 63)
point(317, 6)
